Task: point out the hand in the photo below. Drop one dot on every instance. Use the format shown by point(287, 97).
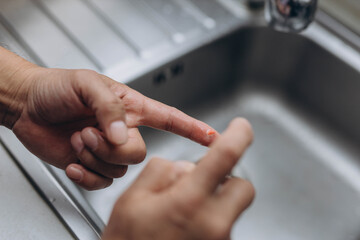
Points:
point(86, 123)
point(178, 200)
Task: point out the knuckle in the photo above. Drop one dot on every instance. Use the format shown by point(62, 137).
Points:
point(85, 158)
point(84, 76)
point(128, 157)
point(189, 205)
point(195, 200)
point(104, 153)
point(120, 172)
point(112, 105)
point(97, 183)
point(88, 187)
point(109, 159)
point(137, 159)
point(160, 166)
point(140, 155)
point(92, 184)
point(86, 130)
point(194, 203)
point(156, 162)
point(108, 183)
point(170, 123)
point(218, 229)
point(249, 189)
point(110, 156)
point(117, 88)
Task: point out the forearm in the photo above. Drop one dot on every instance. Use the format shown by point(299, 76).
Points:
point(13, 93)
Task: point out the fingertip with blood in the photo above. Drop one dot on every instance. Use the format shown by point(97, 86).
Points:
point(210, 132)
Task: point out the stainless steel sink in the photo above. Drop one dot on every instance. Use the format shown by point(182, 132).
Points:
point(303, 103)
point(302, 95)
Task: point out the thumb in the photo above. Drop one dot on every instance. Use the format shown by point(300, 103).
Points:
point(108, 108)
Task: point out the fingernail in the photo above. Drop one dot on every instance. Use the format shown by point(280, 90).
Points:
point(118, 132)
point(75, 174)
point(78, 144)
point(91, 140)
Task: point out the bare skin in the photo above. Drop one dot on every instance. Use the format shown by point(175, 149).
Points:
point(84, 122)
point(184, 201)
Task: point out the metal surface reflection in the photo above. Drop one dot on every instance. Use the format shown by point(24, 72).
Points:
point(290, 15)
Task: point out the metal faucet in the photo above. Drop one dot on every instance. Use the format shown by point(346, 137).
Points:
point(290, 15)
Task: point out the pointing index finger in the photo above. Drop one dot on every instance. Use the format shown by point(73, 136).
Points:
point(161, 116)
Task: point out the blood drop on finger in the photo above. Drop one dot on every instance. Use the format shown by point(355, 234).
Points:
point(210, 132)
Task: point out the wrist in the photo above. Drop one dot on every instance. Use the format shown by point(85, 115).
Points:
point(14, 82)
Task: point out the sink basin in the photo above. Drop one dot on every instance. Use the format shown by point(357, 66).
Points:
point(303, 103)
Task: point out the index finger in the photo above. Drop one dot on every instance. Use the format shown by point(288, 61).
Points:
point(161, 116)
point(223, 155)
point(158, 115)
